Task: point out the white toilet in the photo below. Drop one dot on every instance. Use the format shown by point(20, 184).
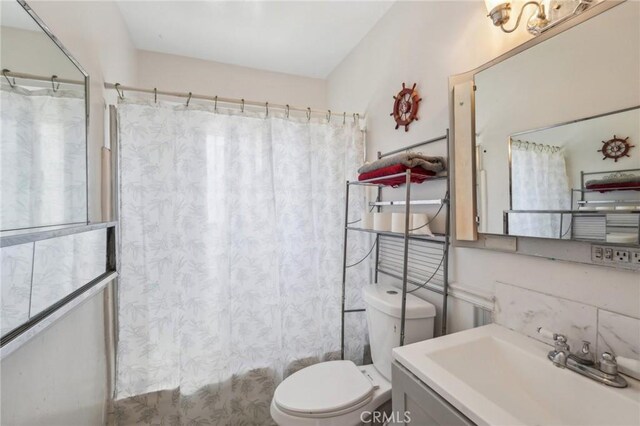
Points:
point(335, 393)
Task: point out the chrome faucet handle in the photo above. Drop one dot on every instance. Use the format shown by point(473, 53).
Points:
point(561, 351)
point(559, 340)
point(608, 364)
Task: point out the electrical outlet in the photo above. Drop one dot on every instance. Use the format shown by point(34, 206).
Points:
point(597, 253)
point(608, 254)
point(621, 255)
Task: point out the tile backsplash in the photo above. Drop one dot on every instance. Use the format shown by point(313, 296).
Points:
point(619, 334)
point(525, 310)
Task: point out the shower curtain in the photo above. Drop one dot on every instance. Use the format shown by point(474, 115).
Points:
point(538, 182)
point(231, 253)
point(42, 157)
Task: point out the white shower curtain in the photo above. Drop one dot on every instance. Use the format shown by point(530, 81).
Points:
point(231, 233)
point(538, 182)
point(42, 157)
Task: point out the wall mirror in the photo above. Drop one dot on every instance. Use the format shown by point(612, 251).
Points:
point(51, 259)
point(43, 148)
point(542, 119)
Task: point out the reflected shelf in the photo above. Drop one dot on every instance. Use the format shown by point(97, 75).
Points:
point(576, 212)
point(434, 202)
point(374, 181)
point(438, 238)
point(38, 235)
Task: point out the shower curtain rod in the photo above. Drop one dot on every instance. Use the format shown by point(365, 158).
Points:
point(536, 146)
point(242, 102)
point(54, 78)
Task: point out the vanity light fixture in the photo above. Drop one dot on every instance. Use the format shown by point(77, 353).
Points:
point(499, 12)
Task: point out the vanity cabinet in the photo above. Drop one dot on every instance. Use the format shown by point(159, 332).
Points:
point(421, 403)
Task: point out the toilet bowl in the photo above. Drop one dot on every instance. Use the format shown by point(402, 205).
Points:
point(337, 393)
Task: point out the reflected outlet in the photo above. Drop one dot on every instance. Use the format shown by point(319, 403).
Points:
point(616, 256)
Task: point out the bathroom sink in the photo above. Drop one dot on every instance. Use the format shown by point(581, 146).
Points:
point(496, 376)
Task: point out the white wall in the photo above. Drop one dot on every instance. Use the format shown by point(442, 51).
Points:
point(426, 42)
point(60, 377)
point(182, 74)
point(33, 52)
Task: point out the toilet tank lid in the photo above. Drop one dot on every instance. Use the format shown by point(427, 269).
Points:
point(388, 299)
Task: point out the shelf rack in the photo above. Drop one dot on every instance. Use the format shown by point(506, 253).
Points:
point(579, 200)
point(429, 259)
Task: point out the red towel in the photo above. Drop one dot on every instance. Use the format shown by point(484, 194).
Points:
point(614, 186)
point(418, 175)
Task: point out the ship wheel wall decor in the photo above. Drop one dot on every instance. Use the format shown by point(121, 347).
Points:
point(405, 107)
point(616, 148)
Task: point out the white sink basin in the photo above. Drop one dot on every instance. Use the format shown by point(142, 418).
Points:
point(498, 377)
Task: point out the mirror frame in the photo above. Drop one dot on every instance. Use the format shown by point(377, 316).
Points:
point(85, 74)
point(462, 149)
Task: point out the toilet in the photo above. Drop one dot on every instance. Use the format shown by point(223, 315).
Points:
point(336, 393)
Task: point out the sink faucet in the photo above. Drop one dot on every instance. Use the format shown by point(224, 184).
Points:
point(605, 371)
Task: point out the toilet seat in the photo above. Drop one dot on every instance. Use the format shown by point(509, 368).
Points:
point(326, 389)
point(347, 416)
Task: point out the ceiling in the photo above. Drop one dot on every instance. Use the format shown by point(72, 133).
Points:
point(308, 38)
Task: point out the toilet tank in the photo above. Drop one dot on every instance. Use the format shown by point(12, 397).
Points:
point(384, 307)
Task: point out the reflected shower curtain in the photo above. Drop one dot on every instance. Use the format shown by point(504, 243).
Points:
point(42, 157)
point(231, 256)
point(538, 182)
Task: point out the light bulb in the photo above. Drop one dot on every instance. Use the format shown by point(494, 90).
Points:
point(492, 4)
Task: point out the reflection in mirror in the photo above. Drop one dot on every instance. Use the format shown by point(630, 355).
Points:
point(15, 285)
point(63, 265)
point(43, 119)
point(564, 186)
point(39, 274)
point(589, 70)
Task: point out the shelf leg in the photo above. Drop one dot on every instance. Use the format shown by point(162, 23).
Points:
point(445, 253)
point(344, 268)
point(407, 211)
point(378, 209)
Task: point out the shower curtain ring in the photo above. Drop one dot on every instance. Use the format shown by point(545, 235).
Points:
point(266, 109)
point(215, 104)
point(155, 95)
point(4, 73)
point(120, 92)
point(329, 116)
point(308, 114)
point(287, 110)
point(189, 98)
point(344, 118)
point(242, 106)
point(53, 85)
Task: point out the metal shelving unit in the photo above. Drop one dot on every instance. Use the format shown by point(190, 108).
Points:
point(578, 212)
point(427, 258)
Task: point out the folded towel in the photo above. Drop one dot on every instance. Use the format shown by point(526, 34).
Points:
point(418, 175)
point(409, 159)
point(617, 182)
